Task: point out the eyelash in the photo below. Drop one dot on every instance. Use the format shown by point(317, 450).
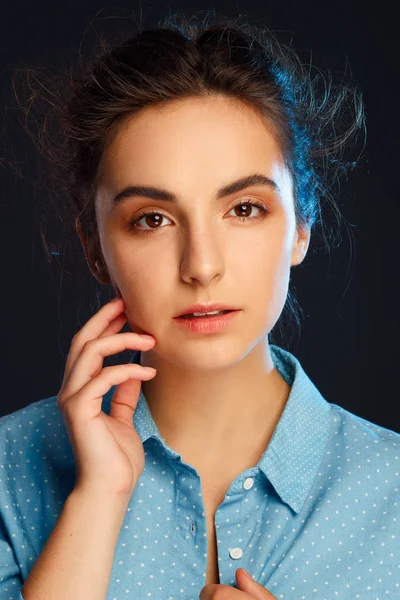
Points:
point(132, 223)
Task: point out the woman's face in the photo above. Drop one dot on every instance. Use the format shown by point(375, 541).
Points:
point(197, 248)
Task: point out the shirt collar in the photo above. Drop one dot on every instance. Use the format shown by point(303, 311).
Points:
point(294, 453)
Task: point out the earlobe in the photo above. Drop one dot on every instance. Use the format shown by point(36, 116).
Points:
point(99, 270)
point(300, 247)
point(92, 251)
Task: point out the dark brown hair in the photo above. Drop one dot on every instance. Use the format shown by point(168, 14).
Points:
point(81, 108)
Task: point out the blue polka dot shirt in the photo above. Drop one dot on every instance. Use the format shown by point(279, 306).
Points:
point(317, 518)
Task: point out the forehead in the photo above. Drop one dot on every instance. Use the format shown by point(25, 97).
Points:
point(196, 142)
point(207, 124)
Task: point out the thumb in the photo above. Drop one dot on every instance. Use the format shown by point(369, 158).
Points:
point(251, 587)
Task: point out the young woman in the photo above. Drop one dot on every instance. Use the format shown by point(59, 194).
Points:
point(209, 466)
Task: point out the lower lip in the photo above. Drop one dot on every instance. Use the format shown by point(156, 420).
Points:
point(207, 324)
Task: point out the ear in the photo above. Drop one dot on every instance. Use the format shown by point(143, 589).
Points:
point(93, 254)
point(300, 245)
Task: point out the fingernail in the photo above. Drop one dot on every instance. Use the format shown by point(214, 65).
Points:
point(147, 337)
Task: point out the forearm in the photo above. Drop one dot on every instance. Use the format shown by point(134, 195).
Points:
point(76, 561)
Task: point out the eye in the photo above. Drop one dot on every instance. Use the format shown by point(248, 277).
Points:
point(157, 216)
point(253, 204)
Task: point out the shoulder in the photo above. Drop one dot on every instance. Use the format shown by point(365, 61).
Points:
point(348, 424)
point(27, 424)
point(35, 446)
point(32, 412)
point(361, 444)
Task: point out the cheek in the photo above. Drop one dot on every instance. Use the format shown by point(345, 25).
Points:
point(265, 269)
point(267, 254)
point(145, 280)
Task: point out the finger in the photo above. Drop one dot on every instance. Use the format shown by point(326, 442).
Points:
point(95, 389)
point(93, 329)
point(247, 584)
point(90, 361)
point(115, 326)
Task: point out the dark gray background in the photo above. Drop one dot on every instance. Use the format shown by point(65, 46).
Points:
point(348, 341)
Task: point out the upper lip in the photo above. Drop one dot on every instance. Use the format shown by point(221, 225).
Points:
point(205, 307)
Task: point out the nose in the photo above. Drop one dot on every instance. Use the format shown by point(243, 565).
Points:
point(202, 256)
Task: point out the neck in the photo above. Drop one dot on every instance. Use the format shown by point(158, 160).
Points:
point(227, 412)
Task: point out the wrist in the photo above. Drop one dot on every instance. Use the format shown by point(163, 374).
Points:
point(99, 501)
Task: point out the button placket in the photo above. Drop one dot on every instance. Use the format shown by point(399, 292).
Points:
point(237, 553)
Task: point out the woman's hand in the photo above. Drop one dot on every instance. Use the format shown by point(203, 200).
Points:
point(248, 589)
point(108, 452)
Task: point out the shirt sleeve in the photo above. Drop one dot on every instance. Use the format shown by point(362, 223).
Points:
point(10, 576)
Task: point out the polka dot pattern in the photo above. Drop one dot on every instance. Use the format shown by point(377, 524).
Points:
point(316, 519)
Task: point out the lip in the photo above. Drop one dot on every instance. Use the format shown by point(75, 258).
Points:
point(205, 307)
point(207, 325)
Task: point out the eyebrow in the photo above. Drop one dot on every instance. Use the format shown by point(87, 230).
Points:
point(163, 194)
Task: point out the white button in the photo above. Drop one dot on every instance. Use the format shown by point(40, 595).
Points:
point(236, 553)
point(248, 483)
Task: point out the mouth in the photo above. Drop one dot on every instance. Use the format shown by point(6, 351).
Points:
point(210, 315)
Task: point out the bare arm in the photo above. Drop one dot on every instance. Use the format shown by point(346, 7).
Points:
point(76, 561)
